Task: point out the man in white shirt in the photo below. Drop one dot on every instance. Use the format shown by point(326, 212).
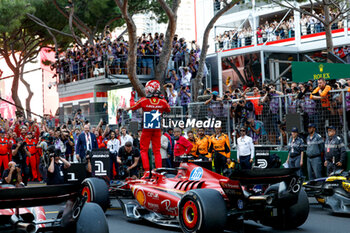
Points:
point(125, 137)
point(164, 143)
point(113, 145)
point(186, 76)
point(245, 150)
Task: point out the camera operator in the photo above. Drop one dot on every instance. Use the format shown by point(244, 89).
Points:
point(173, 78)
point(129, 156)
point(79, 117)
point(147, 59)
point(271, 97)
point(19, 156)
point(12, 175)
point(185, 98)
point(56, 169)
point(68, 141)
point(171, 94)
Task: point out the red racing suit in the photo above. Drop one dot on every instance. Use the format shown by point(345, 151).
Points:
point(4, 152)
point(151, 134)
point(32, 160)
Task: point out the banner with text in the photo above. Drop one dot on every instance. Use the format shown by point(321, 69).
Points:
point(305, 71)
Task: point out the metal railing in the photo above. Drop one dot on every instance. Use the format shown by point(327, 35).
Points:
point(274, 118)
point(241, 39)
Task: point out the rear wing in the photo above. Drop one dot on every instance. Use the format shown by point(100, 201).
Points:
point(289, 183)
point(37, 196)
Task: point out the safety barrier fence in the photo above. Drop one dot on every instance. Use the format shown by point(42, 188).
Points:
point(273, 119)
point(268, 121)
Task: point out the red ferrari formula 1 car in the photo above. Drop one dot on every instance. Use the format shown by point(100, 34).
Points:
point(198, 200)
point(21, 208)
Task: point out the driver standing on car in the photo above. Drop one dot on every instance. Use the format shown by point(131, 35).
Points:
point(12, 175)
point(335, 153)
point(129, 156)
point(57, 169)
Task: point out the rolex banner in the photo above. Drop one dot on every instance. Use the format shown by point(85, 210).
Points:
point(305, 71)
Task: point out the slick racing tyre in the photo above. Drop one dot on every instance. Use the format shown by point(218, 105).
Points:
point(96, 190)
point(92, 220)
point(291, 216)
point(202, 210)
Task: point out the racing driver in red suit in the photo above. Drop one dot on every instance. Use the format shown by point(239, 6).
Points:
point(153, 106)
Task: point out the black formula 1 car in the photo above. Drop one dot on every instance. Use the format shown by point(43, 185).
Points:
point(21, 208)
point(332, 192)
point(199, 200)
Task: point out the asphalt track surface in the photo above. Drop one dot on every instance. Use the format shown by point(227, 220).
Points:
point(319, 221)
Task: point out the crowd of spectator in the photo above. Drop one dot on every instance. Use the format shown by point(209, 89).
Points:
point(260, 112)
point(109, 56)
point(273, 30)
point(263, 111)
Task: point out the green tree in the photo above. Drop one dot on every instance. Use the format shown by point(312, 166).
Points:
point(89, 18)
point(21, 41)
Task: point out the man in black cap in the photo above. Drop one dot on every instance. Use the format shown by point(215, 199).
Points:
point(314, 149)
point(296, 149)
point(335, 153)
point(128, 157)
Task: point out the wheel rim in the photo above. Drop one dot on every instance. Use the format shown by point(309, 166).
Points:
point(190, 214)
point(86, 192)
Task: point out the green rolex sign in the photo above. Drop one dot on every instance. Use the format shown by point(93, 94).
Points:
point(305, 71)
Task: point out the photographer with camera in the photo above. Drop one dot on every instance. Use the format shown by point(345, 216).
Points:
point(128, 159)
point(171, 94)
point(19, 156)
point(271, 97)
point(185, 98)
point(147, 58)
point(57, 168)
point(185, 76)
point(173, 79)
point(68, 143)
point(79, 118)
point(12, 175)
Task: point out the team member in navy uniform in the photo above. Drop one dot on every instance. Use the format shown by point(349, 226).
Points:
point(296, 147)
point(315, 146)
point(335, 153)
point(56, 172)
point(129, 156)
point(245, 150)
